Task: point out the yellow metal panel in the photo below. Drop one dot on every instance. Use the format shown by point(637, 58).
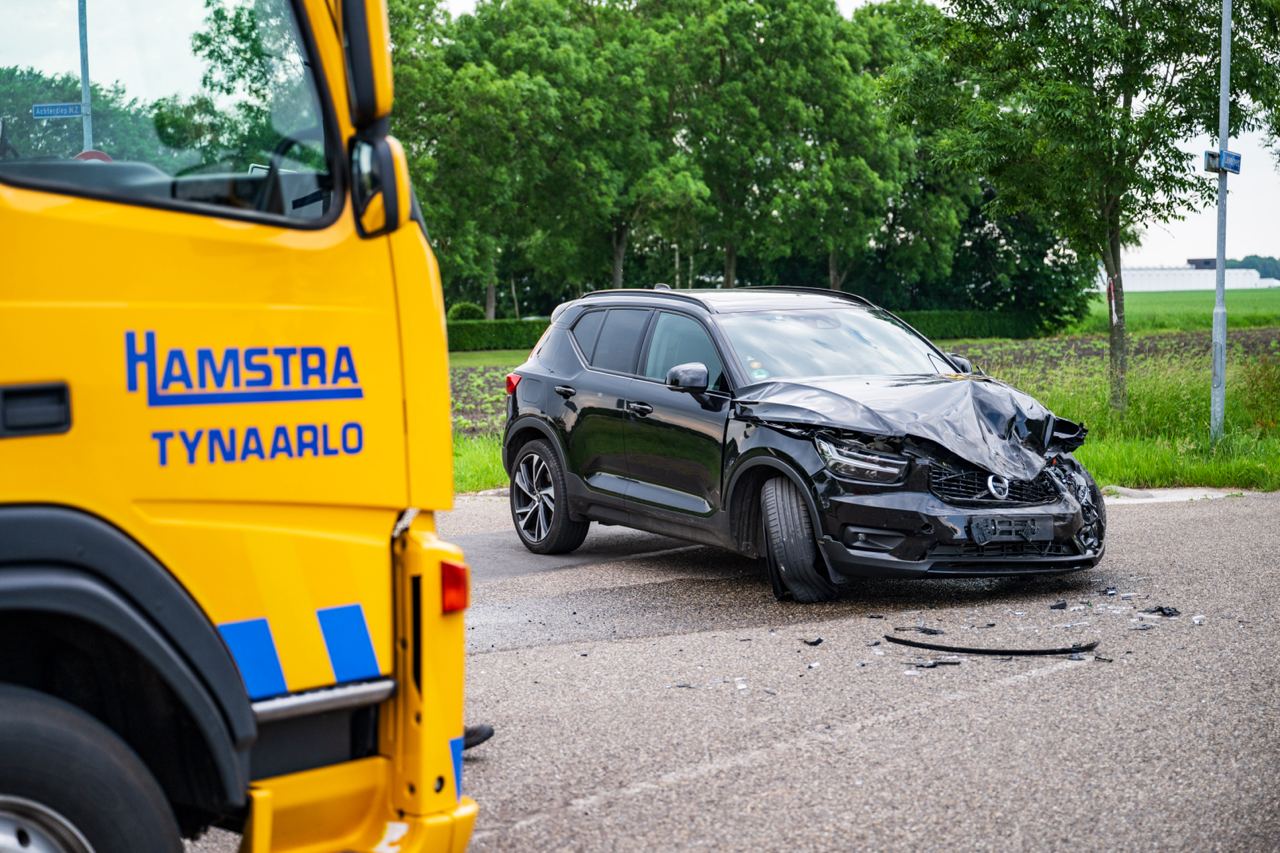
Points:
point(425, 356)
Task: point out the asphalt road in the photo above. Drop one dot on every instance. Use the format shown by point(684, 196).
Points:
point(649, 695)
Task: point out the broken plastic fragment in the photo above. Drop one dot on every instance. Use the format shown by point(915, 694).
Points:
point(1164, 611)
point(1059, 605)
point(932, 632)
point(1198, 619)
point(1111, 590)
point(817, 641)
point(1145, 626)
point(937, 647)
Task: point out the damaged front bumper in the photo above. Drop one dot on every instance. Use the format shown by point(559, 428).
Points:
point(911, 532)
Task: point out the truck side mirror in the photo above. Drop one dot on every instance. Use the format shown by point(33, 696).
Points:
point(379, 185)
point(691, 377)
point(366, 33)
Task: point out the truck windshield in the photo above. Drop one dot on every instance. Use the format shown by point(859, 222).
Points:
point(204, 103)
point(850, 341)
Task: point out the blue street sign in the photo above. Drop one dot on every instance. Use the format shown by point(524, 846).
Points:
point(56, 111)
point(1222, 161)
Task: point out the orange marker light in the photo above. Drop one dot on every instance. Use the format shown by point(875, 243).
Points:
point(455, 587)
point(513, 379)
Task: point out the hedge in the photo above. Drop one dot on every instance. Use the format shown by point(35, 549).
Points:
point(468, 335)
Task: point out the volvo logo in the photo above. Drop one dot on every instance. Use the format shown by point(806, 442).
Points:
point(998, 487)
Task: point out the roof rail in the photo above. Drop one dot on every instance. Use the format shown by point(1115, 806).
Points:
point(825, 291)
point(659, 294)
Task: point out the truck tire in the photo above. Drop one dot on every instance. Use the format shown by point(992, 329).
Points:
point(540, 502)
point(790, 547)
point(70, 784)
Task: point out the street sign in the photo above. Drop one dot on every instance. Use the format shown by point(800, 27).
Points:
point(56, 111)
point(1222, 161)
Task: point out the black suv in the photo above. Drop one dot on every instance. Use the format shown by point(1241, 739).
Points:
point(806, 426)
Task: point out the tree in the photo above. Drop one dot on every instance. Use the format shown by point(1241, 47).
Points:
point(1075, 108)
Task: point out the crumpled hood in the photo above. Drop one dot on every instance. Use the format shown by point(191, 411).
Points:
point(981, 420)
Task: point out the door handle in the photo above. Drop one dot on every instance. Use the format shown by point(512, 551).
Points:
point(43, 409)
point(566, 391)
point(640, 409)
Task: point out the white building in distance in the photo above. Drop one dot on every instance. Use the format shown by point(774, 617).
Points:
point(1198, 274)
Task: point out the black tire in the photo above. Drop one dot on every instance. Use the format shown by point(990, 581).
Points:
point(540, 509)
point(790, 547)
point(64, 774)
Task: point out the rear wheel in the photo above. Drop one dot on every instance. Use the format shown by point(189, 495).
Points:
point(540, 503)
point(791, 549)
point(68, 784)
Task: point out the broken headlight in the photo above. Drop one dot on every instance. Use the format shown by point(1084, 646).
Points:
point(856, 461)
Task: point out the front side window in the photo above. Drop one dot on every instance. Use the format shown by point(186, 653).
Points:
point(848, 341)
point(678, 339)
point(201, 103)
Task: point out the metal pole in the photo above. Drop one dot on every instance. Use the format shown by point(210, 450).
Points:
point(1219, 394)
point(86, 106)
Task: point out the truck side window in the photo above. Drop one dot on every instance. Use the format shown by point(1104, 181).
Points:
point(201, 104)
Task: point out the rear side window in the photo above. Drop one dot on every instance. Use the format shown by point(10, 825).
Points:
point(586, 330)
point(208, 104)
point(620, 339)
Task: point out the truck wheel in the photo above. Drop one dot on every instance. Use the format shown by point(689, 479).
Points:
point(68, 784)
point(540, 502)
point(791, 549)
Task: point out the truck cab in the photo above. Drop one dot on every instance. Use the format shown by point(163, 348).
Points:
point(224, 433)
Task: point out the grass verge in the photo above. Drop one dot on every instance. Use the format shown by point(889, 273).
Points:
point(507, 358)
point(477, 463)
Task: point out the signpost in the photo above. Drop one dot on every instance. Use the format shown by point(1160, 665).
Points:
point(1227, 162)
point(86, 107)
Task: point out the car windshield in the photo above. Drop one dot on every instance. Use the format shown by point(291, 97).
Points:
point(850, 341)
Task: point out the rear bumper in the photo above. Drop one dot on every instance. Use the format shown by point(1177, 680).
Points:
point(915, 534)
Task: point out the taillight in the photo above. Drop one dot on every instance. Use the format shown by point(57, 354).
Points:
point(455, 586)
point(513, 379)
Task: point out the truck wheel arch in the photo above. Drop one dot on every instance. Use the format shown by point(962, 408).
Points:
point(59, 564)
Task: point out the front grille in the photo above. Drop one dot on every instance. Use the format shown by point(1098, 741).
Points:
point(966, 486)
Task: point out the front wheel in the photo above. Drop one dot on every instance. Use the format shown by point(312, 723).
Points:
point(68, 784)
point(791, 549)
point(540, 502)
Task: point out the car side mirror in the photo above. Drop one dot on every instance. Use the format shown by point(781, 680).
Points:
point(961, 362)
point(691, 377)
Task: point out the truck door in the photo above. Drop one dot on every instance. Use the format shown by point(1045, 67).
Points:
point(195, 342)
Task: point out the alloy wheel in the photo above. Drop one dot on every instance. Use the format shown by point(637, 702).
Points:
point(30, 827)
point(535, 497)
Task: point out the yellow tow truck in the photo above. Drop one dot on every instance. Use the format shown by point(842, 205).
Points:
point(224, 430)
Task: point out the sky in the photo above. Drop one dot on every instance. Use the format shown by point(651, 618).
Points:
point(43, 33)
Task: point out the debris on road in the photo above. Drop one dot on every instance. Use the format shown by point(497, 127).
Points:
point(935, 662)
point(684, 685)
point(937, 647)
point(816, 641)
point(1198, 619)
point(1145, 626)
point(875, 616)
point(931, 632)
point(1111, 590)
point(1059, 605)
point(1164, 611)
point(814, 665)
point(1101, 658)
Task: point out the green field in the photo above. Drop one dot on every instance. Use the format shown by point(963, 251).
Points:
point(507, 358)
point(1186, 310)
point(1162, 439)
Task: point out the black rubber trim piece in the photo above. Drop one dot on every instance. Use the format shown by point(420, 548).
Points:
point(73, 593)
point(359, 63)
point(59, 537)
point(938, 647)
